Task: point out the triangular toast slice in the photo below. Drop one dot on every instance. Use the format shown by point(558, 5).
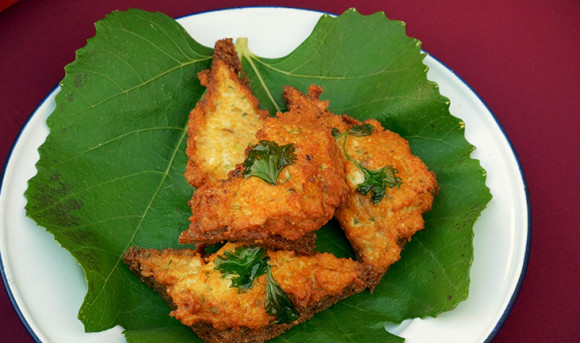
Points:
point(282, 212)
point(224, 122)
point(246, 293)
point(384, 210)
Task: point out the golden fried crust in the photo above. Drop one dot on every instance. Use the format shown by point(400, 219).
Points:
point(305, 196)
point(378, 233)
point(224, 122)
point(203, 299)
point(309, 279)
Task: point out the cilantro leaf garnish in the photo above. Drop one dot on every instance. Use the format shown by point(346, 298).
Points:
point(267, 159)
point(245, 263)
point(361, 130)
point(277, 302)
point(376, 181)
point(336, 133)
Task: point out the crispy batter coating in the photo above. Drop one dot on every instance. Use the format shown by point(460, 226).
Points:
point(378, 233)
point(279, 216)
point(203, 299)
point(224, 122)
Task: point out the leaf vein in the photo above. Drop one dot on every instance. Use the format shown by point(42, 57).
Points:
point(263, 83)
point(169, 37)
point(91, 187)
point(142, 84)
point(438, 262)
point(144, 215)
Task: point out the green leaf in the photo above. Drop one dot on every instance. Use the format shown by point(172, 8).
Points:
point(336, 133)
point(369, 68)
point(377, 181)
point(174, 332)
point(277, 303)
point(330, 326)
point(245, 263)
point(361, 130)
point(267, 159)
point(110, 173)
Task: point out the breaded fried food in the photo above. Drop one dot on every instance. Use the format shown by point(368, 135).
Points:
point(398, 188)
point(284, 212)
point(222, 303)
point(224, 122)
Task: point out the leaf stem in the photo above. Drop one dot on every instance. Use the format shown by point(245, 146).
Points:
point(243, 51)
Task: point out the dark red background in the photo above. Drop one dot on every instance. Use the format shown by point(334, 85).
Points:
point(521, 57)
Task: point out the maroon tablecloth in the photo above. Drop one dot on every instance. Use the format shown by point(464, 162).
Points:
point(521, 57)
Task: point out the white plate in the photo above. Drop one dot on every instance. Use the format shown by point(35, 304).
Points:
point(47, 286)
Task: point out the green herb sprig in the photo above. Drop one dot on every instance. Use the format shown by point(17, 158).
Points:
point(247, 264)
point(277, 303)
point(267, 159)
point(376, 181)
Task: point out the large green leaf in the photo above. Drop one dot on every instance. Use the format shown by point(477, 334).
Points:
point(110, 174)
point(369, 68)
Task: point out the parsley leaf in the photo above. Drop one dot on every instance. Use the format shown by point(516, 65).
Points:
point(267, 159)
point(336, 133)
point(376, 181)
point(277, 302)
point(246, 263)
point(361, 130)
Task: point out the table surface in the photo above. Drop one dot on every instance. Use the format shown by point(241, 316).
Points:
point(520, 57)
